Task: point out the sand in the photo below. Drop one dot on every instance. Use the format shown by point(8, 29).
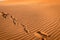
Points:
point(35, 17)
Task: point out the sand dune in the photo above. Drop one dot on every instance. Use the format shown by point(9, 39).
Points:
point(35, 17)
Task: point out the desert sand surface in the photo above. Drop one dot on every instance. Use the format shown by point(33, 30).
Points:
point(33, 17)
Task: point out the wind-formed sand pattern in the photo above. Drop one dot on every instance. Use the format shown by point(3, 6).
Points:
point(30, 22)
